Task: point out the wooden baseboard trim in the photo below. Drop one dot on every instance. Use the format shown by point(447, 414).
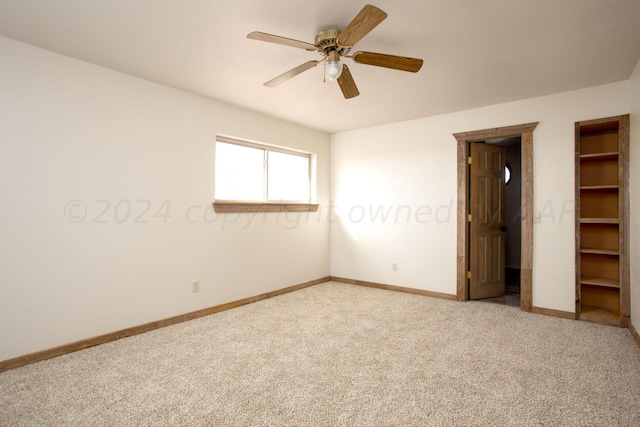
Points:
point(395, 288)
point(634, 333)
point(147, 327)
point(554, 313)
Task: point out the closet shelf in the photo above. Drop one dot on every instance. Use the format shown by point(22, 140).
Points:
point(600, 156)
point(597, 251)
point(600, 281)
point(599, 187)
point(599, 220)
point(594, 314)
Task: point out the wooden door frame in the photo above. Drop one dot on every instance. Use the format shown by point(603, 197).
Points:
point(464, 140)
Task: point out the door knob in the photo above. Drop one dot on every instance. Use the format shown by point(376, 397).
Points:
point(503, 228)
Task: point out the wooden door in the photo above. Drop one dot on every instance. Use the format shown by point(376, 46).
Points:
point(487, 249)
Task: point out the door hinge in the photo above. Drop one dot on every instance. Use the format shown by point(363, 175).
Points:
point(468, 275)
point(469, 160)
point(469, 217)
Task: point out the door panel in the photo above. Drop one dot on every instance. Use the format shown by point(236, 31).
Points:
point(487, 250)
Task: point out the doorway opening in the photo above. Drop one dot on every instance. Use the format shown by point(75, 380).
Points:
point(512, 178)
point(520, 136)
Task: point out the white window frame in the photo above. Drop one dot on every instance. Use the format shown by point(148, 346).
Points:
point(266, 205)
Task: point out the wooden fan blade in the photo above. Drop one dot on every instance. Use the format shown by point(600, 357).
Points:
point(291, 73)
point(347, 84)
point(257, 35)
point(368, 18)
point(402, 63)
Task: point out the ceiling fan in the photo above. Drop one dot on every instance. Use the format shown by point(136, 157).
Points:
point(333, 44)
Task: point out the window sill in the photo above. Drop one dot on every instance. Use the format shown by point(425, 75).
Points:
point(249, 207)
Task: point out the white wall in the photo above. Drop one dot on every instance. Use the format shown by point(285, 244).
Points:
point(77, 140)
point(413, 164)
point(635, 200)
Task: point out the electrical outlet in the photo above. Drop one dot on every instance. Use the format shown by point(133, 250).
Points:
point(195, 286)
point(394, 267)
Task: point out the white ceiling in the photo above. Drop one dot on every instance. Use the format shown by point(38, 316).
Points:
point(476, 52)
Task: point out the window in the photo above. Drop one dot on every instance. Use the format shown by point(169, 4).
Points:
point(255, 177)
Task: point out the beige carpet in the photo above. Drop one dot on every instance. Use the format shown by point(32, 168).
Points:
point(337, 354)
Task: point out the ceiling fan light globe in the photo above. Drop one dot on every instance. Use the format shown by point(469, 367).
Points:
point(332, 70)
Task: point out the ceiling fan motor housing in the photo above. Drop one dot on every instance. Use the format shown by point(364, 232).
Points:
point(326, 41)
